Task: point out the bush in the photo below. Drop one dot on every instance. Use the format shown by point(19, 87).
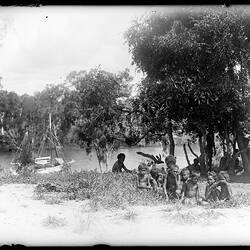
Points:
point(107, 190)
point(238, 200)
point(192, 218)
point(54, 222)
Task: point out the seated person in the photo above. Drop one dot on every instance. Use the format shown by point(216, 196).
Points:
point(195, 166)
point(238, 168)
point(119, 164)
point(212, 193)
point(171, 182)
point(144, 179)
point(185, 174)
point(190, 190)
point(225, 189)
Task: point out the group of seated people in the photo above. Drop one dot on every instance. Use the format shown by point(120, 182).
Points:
point(171, 183)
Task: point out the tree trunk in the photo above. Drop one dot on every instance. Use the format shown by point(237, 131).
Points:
point(228, 148)
point(244, 155)
point(210, 148)
point(223, 147)
point(202, 157)
point(190, 148)
point(171, 139)
point(186, 155)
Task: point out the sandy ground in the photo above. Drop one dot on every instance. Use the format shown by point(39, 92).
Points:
point(31, 222)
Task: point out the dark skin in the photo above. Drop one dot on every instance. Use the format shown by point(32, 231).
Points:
point(226, 191)
point(211, 192)
point(160, 185)
point(185, 175)
point(120, 161)
point(190, 189)
point(171, 183)
point(144, 180)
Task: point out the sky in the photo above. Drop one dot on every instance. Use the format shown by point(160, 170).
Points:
point(42, 45)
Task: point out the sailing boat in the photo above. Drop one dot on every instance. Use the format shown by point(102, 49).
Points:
point(50, 156)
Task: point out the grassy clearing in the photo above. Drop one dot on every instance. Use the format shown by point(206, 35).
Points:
point(192, 218)
point(130, 215)
point(54, 222)
point(238, 200)
point(105, 191)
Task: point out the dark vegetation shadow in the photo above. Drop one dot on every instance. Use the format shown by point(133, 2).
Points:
point(240, 179)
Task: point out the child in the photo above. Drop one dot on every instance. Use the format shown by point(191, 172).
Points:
point(160, 185)
point(190, 190)
point(195, 166)
point(170, 160)
point(185, 174)
point(212, 193)
point(144, 179)
point(119, 164)
point(225, 189)
point(156, 170)
point(171, 182)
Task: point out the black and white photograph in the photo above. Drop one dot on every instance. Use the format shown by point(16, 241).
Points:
point(125, 125)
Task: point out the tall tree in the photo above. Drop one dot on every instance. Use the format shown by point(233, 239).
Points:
point(96, 105)
point(195, 64)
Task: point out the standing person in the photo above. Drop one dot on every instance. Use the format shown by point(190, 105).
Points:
point(171, 184)
point(195, 167)
point(119, 164)
point(170, 161)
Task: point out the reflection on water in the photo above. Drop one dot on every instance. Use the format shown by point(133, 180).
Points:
point(89, 162)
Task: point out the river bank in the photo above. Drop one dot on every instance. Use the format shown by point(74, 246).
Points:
point(31, 222)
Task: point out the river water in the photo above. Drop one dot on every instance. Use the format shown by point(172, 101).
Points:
point(82, 161)
point(90, 162)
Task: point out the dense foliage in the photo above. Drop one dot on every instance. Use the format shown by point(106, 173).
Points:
point(196, 66)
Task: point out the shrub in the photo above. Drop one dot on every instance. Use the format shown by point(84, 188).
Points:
point(190, 217)
point(54, 222)
point(238, 200)
point(107, 190)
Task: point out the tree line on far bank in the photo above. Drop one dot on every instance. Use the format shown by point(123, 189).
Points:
point(196, 66)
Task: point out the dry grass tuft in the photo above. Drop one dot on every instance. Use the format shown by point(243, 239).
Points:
point(54, 222)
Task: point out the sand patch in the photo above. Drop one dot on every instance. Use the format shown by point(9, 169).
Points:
point(27, 221)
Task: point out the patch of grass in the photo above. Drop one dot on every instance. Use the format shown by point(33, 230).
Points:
point(54, 199)
point(84, 225)
point(104, 191)
point(54, 222)
point(238, 200)
point(173, 207)
point(130, 215)
point(192, 218)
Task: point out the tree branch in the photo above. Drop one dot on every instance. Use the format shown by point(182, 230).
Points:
point(156, 159)
point(192, 150)
point(186, 155)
